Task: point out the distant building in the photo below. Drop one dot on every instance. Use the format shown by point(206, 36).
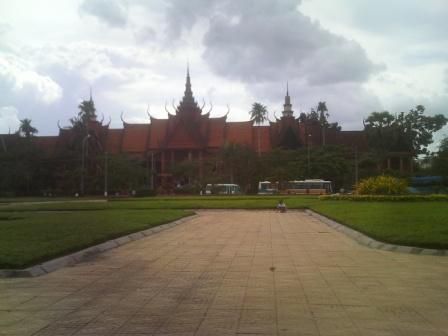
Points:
point(192, 134)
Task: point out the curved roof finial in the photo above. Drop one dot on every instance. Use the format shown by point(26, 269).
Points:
point(228, 111)
point(121, 117)
point(110, 120)
point(59, 125)
point(148, 112)
point(174, 106)
point(203, 104)
point(166, 108)
point(275, 116)
point(102, 118)
point(211, 107)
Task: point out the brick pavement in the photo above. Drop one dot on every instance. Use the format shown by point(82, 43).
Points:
point(235, 273)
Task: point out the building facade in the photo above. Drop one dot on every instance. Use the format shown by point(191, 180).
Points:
point(191, 134)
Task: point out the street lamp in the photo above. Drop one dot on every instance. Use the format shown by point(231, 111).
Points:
point(309, 159)
point(84, 141)
point(105, 173)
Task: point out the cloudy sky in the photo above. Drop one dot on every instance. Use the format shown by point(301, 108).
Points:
point(357, 55)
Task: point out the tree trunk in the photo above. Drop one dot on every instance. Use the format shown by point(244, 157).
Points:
point(323, 136)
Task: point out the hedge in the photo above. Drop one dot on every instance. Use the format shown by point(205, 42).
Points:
point(385, 198)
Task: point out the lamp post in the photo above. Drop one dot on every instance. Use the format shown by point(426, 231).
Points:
point(84, 141)
point(309, 159)
point(105, 173)
point(356, 166)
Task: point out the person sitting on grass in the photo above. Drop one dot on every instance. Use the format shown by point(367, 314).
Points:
point(281, 206)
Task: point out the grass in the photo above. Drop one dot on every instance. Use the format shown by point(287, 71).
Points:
point(205, 202)
point(28, 238)
point(422, 224)
point(32, 233)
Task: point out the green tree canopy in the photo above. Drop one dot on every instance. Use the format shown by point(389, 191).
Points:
point(26, 129)
point(258, 114)
point(239, 165)
point(87, 112)
point(320, 116)
point(440, 161)
point(410, 132)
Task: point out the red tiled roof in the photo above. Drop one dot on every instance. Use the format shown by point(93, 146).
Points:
point(113, 141)
point(353, 139)
point(239, 132)
point(181, 138)
point(46, 143)
point(216, 132)
point(265, 138)
point(135, 137)
point(157, 133)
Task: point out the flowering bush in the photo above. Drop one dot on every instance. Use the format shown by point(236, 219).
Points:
point(382, 185)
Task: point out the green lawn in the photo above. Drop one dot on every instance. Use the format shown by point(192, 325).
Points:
point(27, 238)
point(422, 224)
point(31, 233)
point(195, 202)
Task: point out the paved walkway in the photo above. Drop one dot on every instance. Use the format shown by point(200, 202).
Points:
point(235, 273)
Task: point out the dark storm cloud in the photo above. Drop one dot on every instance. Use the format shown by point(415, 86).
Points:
point(270, 41)
point(113, 13)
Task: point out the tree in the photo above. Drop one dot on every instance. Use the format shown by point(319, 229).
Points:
point(378, 127)
point(323, 115)
point(26, 129)
point(125, 173)
point(320, 116)
point(21, 168)
point(239, 165)
point(409, 132)
point(334, 163)
point(440, 160)
point(258, 114)
point(87, 112)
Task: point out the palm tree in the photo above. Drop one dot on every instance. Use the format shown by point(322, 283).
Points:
point(323, 115)
point(87, 110)
point(26, 129)
point(258, 114)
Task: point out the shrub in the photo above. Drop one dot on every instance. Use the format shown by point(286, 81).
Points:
point(145, 192)
point(385, 198)
point(382, 185)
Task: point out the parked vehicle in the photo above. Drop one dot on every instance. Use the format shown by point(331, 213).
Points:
point(222, 189)
point(308, 187)
point(267, 188)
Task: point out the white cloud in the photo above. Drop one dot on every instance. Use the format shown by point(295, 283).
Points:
point(22, 79)
point(113, 13)
point(9, 119)
point(239, 51)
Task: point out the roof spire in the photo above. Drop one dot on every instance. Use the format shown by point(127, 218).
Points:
point(188, 104)
point(287, 107)
point(91, 99)
point(188, 92)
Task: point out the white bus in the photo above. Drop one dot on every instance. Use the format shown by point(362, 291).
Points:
point(309, 187)
point(267, 188)
point(222, 189)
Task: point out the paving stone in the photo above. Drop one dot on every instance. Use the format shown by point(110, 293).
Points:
point(235, 273)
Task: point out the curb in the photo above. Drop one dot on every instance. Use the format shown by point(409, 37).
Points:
point(74, 258)
point(365, 240)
